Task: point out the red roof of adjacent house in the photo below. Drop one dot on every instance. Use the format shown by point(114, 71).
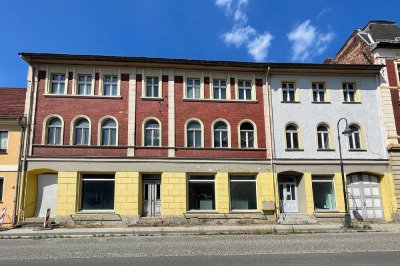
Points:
point(12, 102)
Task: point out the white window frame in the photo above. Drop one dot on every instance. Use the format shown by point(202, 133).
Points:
point(201, 132)
point(228, 128)
point(243, 181)
point(325, 146)
point(288, 90)
point(85, 83)
point(7, 140)
point(352, 141)
point(45, 128)
point(347, 91)
point(324, 179)
point(144, 131)
point(251, 88)
point(100, 131)
point(112, 83)
point(194, 86)
point(58, 82)
point(159, 85)
point(255, 142)
point(318, 90)
point(73, 130)
point(211, 180)
point(292, 133)
point(219, 87)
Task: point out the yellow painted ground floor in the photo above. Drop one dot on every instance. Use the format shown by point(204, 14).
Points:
point(7, 195)
point(137, 194)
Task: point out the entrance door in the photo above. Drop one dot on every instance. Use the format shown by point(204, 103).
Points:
point(364, 197)
point(288, 195)
point(151, 195)
point(46, 195)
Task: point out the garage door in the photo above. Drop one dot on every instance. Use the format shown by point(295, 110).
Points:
point(364, 196)
point(46, 195)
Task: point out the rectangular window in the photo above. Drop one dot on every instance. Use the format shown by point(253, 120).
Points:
point(98, 192)
point(3, 141)
point(152, 89)
point(193, 89)
point(349, 92)
point(201, 193)
point(219, 89)
point(288, 92)
point(110, 86)
point(318, 92)
point(57, 84)
point(324, 193)
point(1, 188)
point(244, 89)
point(243, 193)
point(84, 84)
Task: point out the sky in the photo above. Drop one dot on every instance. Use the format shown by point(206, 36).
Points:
point(235, 30)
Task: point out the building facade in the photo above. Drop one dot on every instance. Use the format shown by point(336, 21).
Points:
point(378, 42)
point(12, 104)
point(186, 139)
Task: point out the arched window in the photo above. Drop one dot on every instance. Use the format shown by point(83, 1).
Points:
point(292, 137)
point(54, 132)
point(82, 132)
point(194, 134)
point(323, 137)
point(152, 133)
point(246, 135)
point(355, 137)
point(109, 132)
point(221, 135)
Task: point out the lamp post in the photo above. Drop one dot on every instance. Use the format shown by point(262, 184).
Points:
point(347, 132)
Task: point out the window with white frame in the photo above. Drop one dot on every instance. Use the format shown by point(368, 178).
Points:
point(319, 93)
point(201, 193)
point(57, 85)
point(323, 137)
point(152, 89)
point(244, 89)
point(54, 131)
point(194, 134)
point(349, 92)
point(243, 193)
point(3, 141)
point(193, 88)
point(1, 188)
point(221, 135)
point(82, 132)
point(219, 89)
point(355, 137)
point(109, 132)
point(324, 193)
point(288, 92)
point(246, 135)
point(152, 133)
point(292, 137)
point(98, 192)
point(110, 86)
point(84, 85)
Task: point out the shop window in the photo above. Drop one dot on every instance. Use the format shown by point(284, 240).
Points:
point(98, 192)
point(243, 193)
point(201, 193)
point(324, 193)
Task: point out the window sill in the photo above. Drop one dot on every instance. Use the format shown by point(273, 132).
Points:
point(3, 152)
point(244, 211)
point(95, 212)
point(355, 150)
point(201, 211)
point(219, 100)
point(81, 96)
point(321, 102)
point(351, 102)
point(290, 102)
point(294, 149)
point(146, 98)
point(325, 149)
point(326, 211)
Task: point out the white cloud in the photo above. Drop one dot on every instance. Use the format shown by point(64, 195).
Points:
point(223, 3)
point(307, 41)
point(324, 11)
point(258, 48)
point(240, 15)
point(238, 35)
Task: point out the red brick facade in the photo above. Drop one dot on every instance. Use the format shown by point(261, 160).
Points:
point(354, 51)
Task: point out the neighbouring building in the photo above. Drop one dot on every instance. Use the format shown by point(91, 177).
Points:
point(12, 103)
point(121, 138)
point(378, 42)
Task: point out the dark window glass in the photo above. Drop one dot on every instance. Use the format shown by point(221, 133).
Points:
point(201, 193)
point(98, 192)
point(243, 193)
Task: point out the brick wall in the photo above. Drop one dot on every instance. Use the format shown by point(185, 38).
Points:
point(394, 92)
point(354, 51)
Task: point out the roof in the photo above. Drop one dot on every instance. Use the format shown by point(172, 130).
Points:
point(126, 61)
point(12, 102)
point(382, 30)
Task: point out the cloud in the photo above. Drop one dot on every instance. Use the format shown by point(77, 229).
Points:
point(243, 34)
point(324, 11)
point(258, 48)
point(308, 42)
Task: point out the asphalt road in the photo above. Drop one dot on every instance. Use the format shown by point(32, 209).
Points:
point(295, 249)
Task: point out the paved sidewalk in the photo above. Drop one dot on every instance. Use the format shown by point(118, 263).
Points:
point(188, 230)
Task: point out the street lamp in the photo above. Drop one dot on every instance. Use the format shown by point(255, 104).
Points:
point(347, 132)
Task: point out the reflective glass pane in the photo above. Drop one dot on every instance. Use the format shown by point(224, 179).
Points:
point(197, 139)
point(243, 195)
point(201, 196)
point(99, 194)
point(324, 195)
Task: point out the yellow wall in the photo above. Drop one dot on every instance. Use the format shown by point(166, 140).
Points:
point(309, 193)
point(127, 198)
point(339, 192)
point(222, 192)
point(173, 193)
point(265, 189)
point(30, 198)
point(67, 195)
point(9, 189)
point(14, 137)
point(388, 197)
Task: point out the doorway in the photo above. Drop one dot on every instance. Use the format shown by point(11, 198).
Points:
point(288, 195)
point(151, 195)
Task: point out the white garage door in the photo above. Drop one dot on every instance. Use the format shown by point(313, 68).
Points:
point(46, 195)
point(364, 196)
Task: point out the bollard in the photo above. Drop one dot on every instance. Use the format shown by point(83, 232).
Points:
point(2, 215)
point(46, 219)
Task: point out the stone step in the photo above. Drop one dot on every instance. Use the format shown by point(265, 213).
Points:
point(296, 219)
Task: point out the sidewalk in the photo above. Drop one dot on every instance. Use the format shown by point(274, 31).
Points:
point(25, 233)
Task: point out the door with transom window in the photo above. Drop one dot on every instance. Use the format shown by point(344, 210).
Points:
point(151, 195)
point(288, 195)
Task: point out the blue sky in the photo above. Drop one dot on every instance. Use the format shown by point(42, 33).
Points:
point(240, 30)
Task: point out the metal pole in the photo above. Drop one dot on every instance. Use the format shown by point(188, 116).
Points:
point(347, 217)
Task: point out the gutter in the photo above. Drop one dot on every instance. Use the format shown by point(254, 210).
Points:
point(22, 122)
